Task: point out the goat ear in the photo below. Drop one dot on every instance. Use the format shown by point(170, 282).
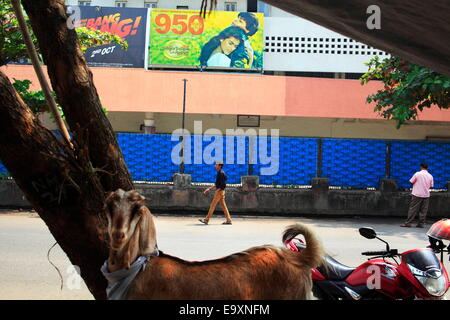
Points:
point(147, 232)
point(135, 196)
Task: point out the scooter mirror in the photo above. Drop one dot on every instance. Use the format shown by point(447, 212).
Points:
point(368, 233)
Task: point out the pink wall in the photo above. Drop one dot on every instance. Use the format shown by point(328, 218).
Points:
point(139, 90)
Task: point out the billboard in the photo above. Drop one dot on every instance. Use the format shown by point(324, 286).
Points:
point(127, 23)
point(222, 39)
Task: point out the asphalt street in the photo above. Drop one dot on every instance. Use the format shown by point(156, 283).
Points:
point(25, 272)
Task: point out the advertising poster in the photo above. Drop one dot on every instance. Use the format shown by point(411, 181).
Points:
point(127, 23)
point(223, 39)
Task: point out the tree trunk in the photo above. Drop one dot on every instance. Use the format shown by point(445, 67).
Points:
point(66, 187)
point(67, 198)
point(73, 83)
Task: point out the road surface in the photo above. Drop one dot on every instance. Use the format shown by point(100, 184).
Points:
point(25, 272)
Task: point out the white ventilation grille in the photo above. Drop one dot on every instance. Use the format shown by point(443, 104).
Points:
point(295, 44)
point(313, 45)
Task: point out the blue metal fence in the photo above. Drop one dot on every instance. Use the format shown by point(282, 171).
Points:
point(354, 162)
point(148, 156)
point(297, 162)
point(205, 149)
point(358, 163)
point(407, 155)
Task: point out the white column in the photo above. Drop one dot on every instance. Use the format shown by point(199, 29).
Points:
point(149, 123)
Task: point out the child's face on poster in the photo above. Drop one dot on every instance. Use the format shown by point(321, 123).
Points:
point(239, 22)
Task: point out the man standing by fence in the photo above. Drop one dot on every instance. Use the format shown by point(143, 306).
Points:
point(422, 182)
point(219, 195)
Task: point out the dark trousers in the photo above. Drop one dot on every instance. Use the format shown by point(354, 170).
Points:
point(418, 205)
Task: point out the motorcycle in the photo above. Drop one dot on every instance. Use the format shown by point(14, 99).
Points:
point(412, 274)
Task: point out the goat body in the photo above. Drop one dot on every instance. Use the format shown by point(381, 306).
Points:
point(259, 273)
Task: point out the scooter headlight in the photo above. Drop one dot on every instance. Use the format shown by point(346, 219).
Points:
point(432, 280)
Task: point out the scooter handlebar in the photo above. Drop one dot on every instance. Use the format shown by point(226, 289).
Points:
point(374, 253)
point(390, 253)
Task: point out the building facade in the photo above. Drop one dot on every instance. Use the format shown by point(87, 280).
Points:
point(308, 86)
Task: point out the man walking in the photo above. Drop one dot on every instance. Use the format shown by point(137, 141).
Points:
point(219, 195)
point(422, 182)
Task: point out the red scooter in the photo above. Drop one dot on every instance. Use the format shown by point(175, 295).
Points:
point(419, 274)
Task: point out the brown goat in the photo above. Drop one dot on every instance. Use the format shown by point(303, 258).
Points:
point(259, 273)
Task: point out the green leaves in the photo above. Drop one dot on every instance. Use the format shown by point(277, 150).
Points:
point(408, 88)
point(34, 99)
point(12, 46)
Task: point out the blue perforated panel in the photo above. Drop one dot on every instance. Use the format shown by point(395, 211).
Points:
point(206, 149)
point(346, 162)
point(407, 156)
point(297, 162)
point(353, 162)
point(148, 156)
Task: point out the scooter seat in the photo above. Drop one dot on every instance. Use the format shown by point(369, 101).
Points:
point(334, 270)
